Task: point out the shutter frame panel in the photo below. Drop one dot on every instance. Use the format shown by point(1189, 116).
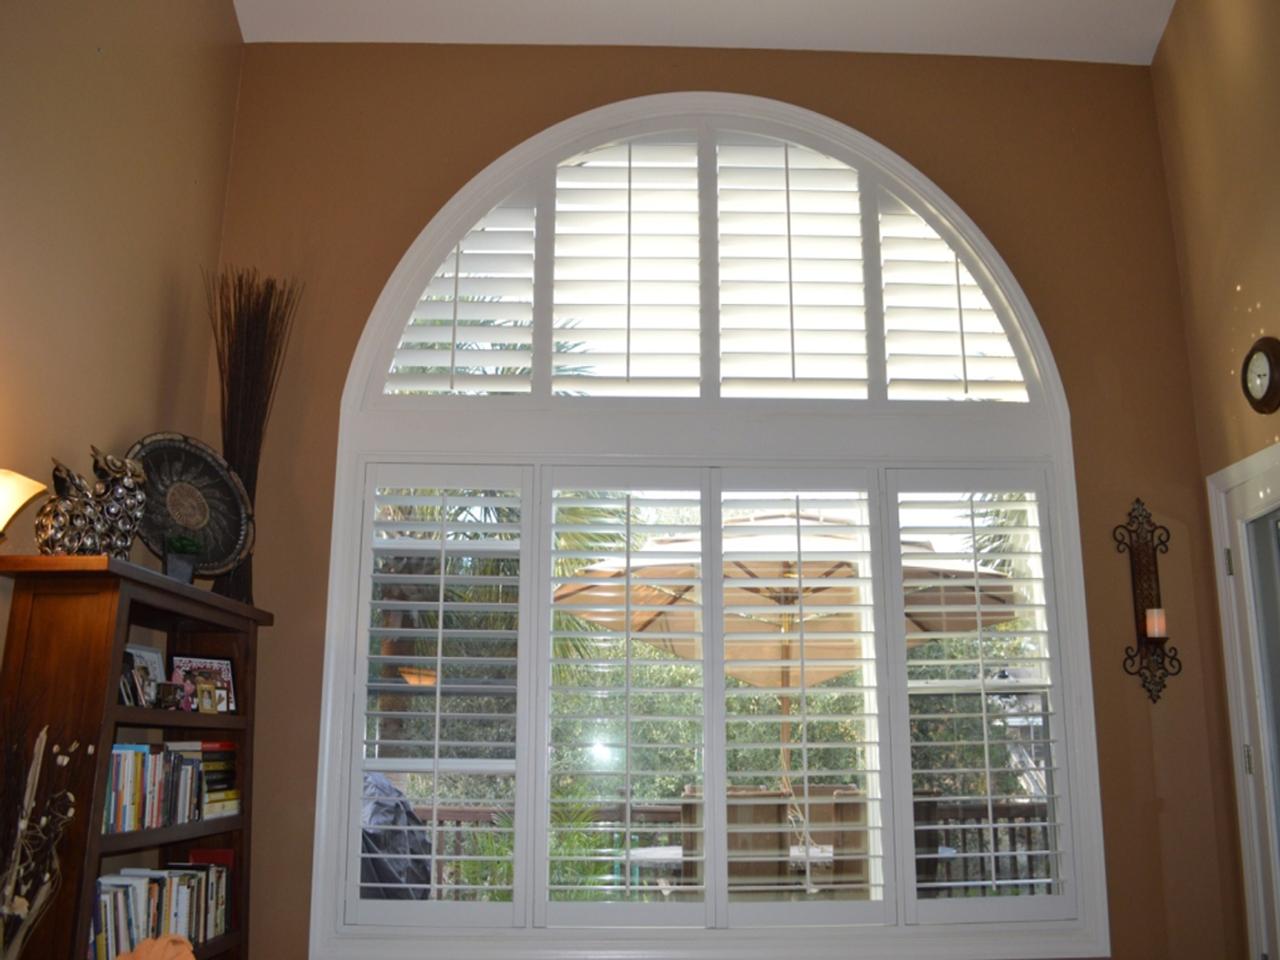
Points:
point(626, 699)
point(943, 338)
point(789, 238)
point(637, 201)
point(797, 581)
point(441, 695)
point(471, 331)
point(980, 692)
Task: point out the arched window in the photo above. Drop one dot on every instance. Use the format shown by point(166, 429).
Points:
point(687, 604)
point(795, 303)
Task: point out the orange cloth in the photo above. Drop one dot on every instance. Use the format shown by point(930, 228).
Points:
point(165, 948)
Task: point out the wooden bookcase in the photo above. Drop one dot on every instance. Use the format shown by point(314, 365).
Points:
point(70, 620)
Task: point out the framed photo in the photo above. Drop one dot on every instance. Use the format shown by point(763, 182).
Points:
point(206, 700)
point(169, 696)
point(144, 666)
point(192, 671)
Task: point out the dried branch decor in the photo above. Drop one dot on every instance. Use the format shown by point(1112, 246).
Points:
point(33, 826)
point(252, 319)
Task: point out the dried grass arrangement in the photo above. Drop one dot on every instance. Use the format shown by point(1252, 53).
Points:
point(35, 812)
point(252, 318)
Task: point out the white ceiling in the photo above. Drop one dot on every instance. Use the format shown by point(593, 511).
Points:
point(1111, 31)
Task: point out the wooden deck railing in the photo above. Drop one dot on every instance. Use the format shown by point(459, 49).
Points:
point(962, 848)
point(968, 848)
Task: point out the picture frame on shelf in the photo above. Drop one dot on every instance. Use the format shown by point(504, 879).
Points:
point(144, 669)
point(169, 696)
point(192, 671)
point(206, 698)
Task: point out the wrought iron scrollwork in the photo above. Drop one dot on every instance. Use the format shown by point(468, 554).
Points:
point(1153, 663)
point(1152, 660)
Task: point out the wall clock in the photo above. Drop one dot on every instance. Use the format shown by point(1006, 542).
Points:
point(1260, 375)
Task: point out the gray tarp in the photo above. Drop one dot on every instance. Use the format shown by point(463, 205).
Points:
point(400, 868)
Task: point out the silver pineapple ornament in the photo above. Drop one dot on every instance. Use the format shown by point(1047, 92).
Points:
point(79, 518)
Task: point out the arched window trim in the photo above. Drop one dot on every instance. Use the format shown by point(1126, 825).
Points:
point(379, 429)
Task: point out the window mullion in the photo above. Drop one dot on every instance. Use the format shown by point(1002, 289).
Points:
point(630, 249)
point(791, 280)
point(882, 817)
point(872, 288)
point(441, 588)
point(898, 745)
point(964, 349)
point(544, 259)
point(982, 680)
point(715, 839)
point(628, 798)
point(709, 262)
point(453, 329)
point(536, 643)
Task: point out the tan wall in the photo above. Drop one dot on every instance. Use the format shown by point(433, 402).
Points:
point(344, 153)
point(115, 137)
point(1217, 85)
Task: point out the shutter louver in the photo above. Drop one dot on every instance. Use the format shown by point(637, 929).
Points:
point(626, 300)
point(439, 790)
point(626, 764)
point(943, 339)
point(472, 330)
point(792, 322)
point(983, 743)
point(802, 760)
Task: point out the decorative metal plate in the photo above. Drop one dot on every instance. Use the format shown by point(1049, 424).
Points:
point(192, 492)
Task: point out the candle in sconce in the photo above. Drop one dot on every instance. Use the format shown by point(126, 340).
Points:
point(1156, 626)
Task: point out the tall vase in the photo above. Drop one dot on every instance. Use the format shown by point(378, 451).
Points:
point(252, 318)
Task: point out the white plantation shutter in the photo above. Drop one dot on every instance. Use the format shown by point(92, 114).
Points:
point(801, 713)
point(792, 322)
point(626, 313)
point(472, 329)
point(943, 339)
point(625, 813)
point(623, 297)
point(980, 696)
point(438, 764)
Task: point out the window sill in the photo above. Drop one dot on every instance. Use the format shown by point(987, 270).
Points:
point(988, 941)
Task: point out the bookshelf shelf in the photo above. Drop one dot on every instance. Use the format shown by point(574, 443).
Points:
point(69, 622)
point(113, 843)
point(149, 717)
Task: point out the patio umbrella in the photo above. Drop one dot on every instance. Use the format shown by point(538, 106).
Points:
point(797, 600)
point(781, 602)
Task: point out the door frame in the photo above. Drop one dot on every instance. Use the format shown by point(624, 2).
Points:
point(1239, 494)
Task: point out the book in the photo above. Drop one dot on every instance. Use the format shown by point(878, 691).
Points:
point(162, 785)
point(138, 903)
point(221, 798)
point(225, 858)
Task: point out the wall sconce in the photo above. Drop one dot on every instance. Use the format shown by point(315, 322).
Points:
point(1152, 660)
point(16, 491)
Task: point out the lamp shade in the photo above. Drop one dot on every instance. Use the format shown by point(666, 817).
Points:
point(16, 491)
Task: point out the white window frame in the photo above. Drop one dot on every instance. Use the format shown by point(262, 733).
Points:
point(553, 914)
point(1058, 906)
point(780, 915)
point(360, 912)
point(875, 435)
